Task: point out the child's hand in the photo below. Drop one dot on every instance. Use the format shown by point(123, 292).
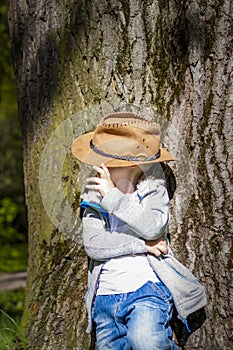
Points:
point(103, 183)
point(157, 247)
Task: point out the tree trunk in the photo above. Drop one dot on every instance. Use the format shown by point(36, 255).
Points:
point(174, 57)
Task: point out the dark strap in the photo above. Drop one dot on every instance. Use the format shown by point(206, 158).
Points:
point(95, 206)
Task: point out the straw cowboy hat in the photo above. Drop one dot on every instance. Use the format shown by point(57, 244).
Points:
point(121, 139)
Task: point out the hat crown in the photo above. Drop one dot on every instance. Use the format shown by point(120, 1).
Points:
point(121, 139)
point(128, 118)
point(127, 134)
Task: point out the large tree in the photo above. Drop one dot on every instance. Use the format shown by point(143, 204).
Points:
point(172, 56)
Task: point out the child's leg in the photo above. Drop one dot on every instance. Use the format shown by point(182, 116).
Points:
point(110, 334)
point(149, 310)
point(135, 321)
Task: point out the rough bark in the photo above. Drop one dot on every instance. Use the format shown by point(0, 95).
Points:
point(173, 56)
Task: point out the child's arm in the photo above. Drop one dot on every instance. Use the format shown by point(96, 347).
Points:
point(147, 217)
point(101, 244)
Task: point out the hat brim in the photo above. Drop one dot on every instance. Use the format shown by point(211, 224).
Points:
point(82, 151)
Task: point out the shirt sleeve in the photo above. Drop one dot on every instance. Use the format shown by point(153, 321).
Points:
point(148, 216)
point(102, 244)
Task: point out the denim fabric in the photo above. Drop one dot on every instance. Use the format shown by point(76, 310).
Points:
point(135, 321)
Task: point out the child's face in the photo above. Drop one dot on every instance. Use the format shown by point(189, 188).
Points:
point(131, 173)
point(124, 178)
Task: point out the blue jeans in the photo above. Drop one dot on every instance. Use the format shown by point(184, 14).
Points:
point(138, 320)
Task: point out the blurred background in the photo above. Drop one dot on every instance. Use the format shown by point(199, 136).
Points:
point(13, 225)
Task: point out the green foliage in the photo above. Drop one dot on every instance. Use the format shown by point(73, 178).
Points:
point(13, 242)
point(11, 173)
point(13, 232)
point(12, 302)
point(9, 211)
point(13, 258)
point(13, 238)
point(11, 309)
point(9, 331)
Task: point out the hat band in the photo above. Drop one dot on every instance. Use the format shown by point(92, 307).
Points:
point(128, 158)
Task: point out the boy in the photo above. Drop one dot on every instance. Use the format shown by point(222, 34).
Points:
point(135, 284)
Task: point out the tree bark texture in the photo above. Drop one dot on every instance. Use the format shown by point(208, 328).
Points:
point(174, 56)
